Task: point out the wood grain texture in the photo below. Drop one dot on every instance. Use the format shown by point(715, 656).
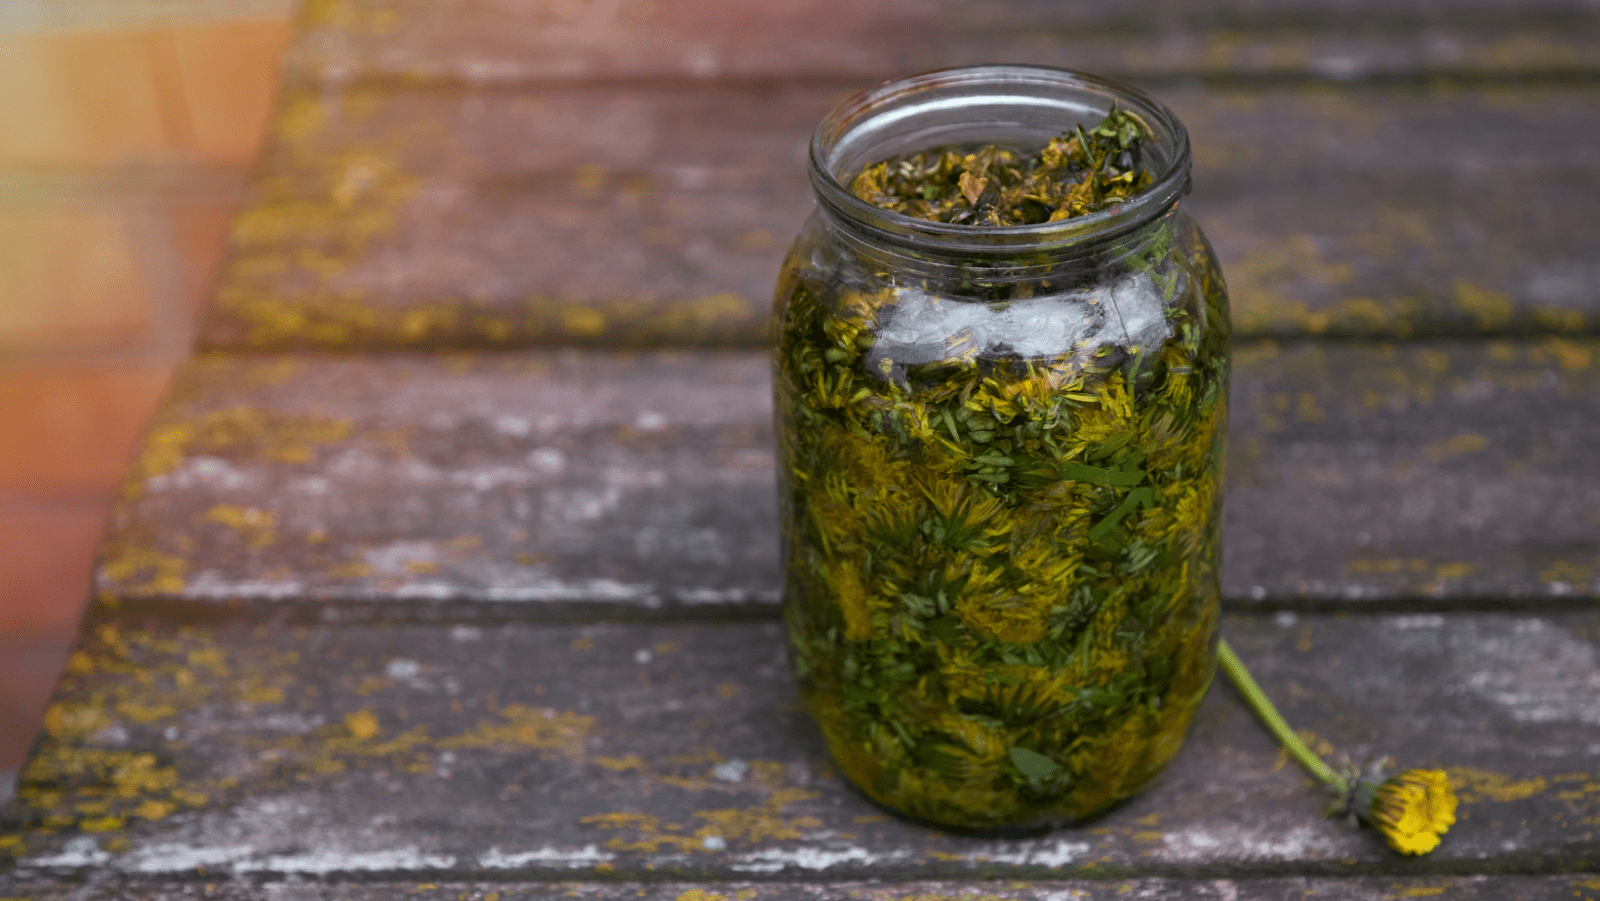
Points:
point(1579, 887)
point(592, 484)
point(512, 42)
point(658, 216)
point(629, 751)
point(459, 625)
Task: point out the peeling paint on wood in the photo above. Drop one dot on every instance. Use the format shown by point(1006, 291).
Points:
point(622, 751)
point(1434, 472)
point(1454, 888)
point(659, 215)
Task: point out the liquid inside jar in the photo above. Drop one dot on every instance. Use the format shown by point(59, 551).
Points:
point(1002, 488)
point(1000, 375)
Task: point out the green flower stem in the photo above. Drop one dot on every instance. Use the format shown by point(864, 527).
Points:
point(1257, 699)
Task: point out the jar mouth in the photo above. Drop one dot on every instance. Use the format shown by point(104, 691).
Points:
point(982, 105)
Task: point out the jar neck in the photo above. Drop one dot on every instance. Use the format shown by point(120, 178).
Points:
point(987, 266)
point(1015, 105)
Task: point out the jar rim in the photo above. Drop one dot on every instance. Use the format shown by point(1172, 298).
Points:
point(898, 103)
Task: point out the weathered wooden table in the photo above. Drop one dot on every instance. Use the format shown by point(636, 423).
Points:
point(449, 569)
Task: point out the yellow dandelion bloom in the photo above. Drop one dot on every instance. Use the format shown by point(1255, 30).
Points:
point(1003, 616)
point(858, 310)
point(1412, 809)
point(851, 596)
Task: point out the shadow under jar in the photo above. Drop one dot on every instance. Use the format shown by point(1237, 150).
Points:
point(1000, 465)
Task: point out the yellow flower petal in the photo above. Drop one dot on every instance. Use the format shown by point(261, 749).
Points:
point(1412, 809)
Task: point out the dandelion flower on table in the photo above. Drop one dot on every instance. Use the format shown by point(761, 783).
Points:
point(1411, 809)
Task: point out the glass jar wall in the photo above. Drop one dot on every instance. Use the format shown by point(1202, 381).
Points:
point(1000, 465)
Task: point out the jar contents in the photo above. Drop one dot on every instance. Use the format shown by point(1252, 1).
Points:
point(1002, 492)
point(1073, 175)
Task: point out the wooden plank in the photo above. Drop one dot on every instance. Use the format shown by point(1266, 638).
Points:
point(513, 42)
point(593, 484)
point(435, 751)
point(1456, 888)
point(660, 215)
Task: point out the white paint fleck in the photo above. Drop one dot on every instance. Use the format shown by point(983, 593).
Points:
point(1256, 842)
point(548, 589)
point(293, 723)
point(514, 426)
point(731, 770)
point(1572, 286)
point(1336, 66)
point(643, 656)
point(82, 851)
point(211, 585)
point(1535, 670)
point(433, 591)
point(479, 579)
point(585, 505)
point(1193, 840)
point(353, 464)
point(329, 860)
point(696, 596)
point(393, 559)
point(773, 860)
point(1258, 592)
point(714, 843)
point(1037, 853)
point(566, 858)
point(208, 472)
point(488, 478)
point(407, 471)
point(650, 422)
point(114, 734)
point(465, 633)
point(548, 460)
point(170, 733)
point(310, 485)
point(1420, 621)
point(176, 858)
point(1283, 619)
point(402, 669)
point(690, 178)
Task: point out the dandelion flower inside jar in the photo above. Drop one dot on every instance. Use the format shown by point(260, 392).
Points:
point(1001, 361)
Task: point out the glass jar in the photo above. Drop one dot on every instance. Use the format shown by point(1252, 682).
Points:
point(1000, 465)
